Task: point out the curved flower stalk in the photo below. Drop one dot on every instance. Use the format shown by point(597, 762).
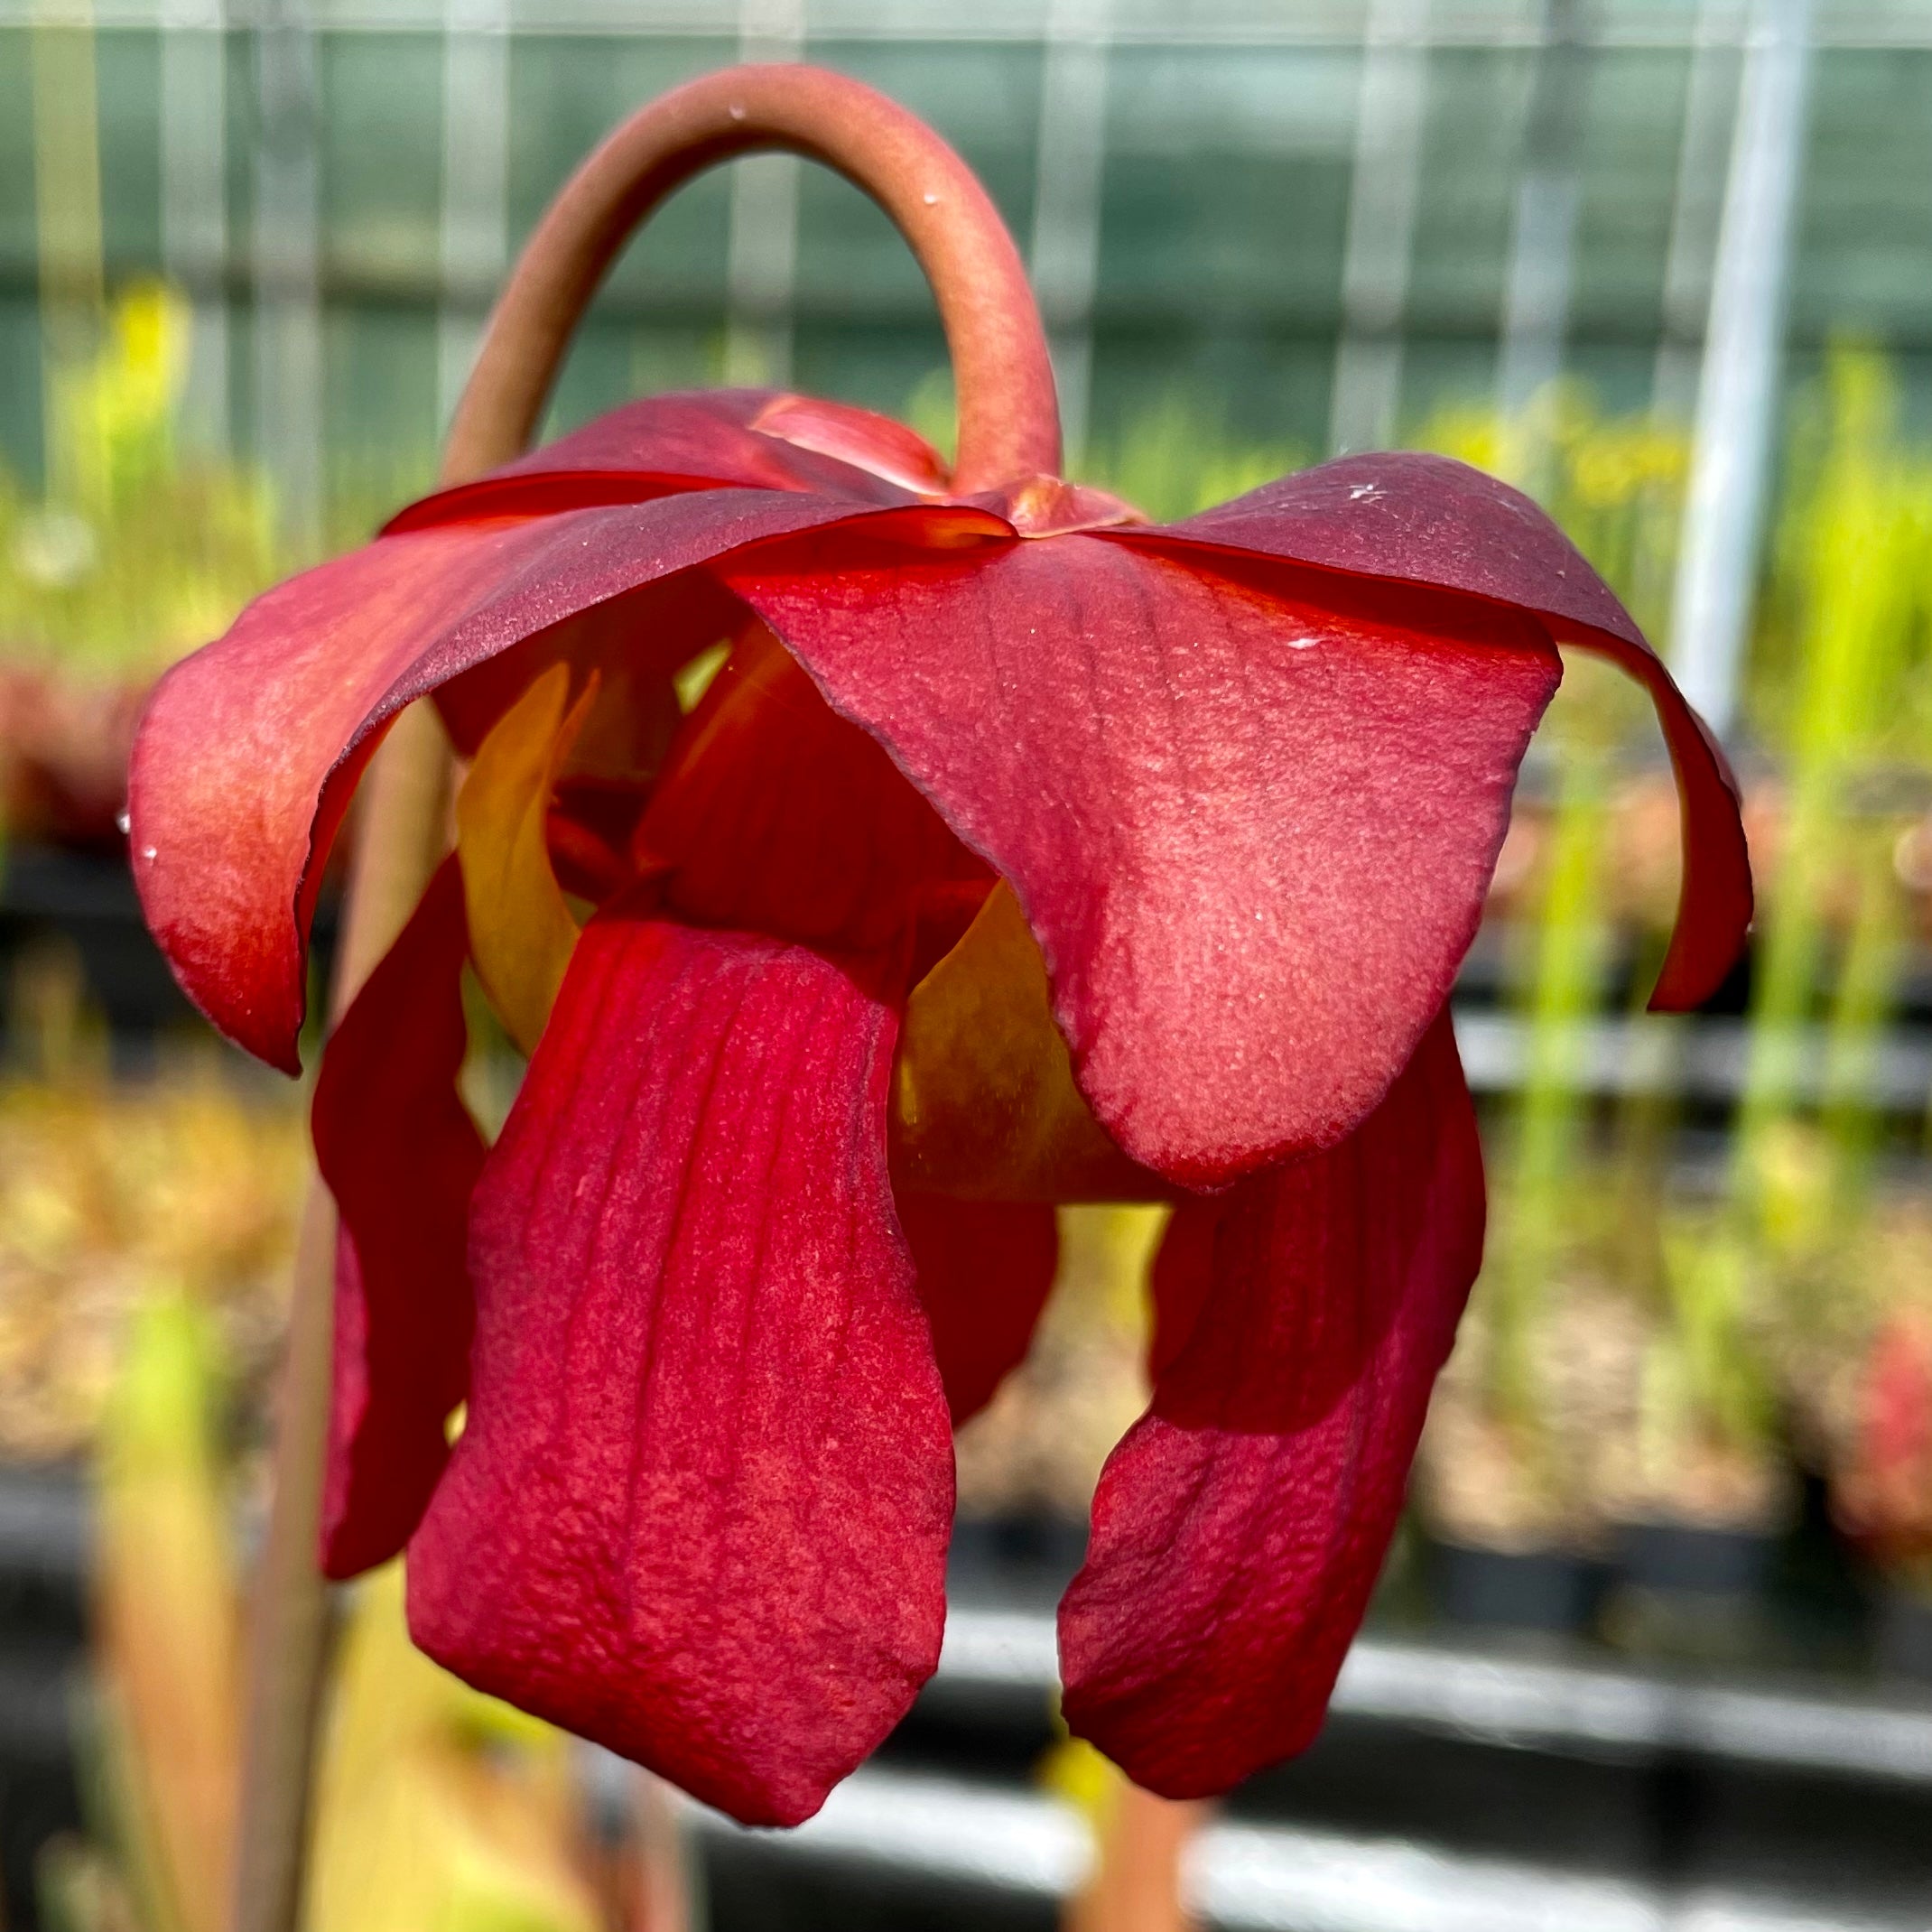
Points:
point(1022, 851)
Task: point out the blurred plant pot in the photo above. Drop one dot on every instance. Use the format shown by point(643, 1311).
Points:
point(1904, 1634)
point(1696, 1559)
point(1024, 1554)
point(1694, 1591)
point(1552, 1591)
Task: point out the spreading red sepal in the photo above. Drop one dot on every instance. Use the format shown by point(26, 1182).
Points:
point(702, 438)
point(401, 1155)
point(700, 1510)
point(1239, 1525)
point(242, 744)
point(775, 815)
point(1436, 523)
point(985, 1268)
point(1252, 831)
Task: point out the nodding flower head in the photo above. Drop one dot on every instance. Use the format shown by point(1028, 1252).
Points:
point(1021, 851)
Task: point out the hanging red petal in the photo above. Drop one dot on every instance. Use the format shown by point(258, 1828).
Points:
point(699, 439)
point(1252, 831)
point(248, 749)
point(700, 1510)
point(984, 1270)
point(1181, 1278)
point(1239, 1525)
point(1433, 521)
point(401, 1155)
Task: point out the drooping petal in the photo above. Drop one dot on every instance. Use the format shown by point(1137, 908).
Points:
point(1429, 520)
point(983, 1100)
point(401, 1155)
point(702, 439)
point(700, 1510)
point(1239, 1525)
point(776, 815)
point(1181, 1278)
point(984, 1269)
point(520, 931)
point(1250, 830)
point(248, 749)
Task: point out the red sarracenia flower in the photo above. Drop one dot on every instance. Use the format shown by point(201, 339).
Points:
point(1022, 851)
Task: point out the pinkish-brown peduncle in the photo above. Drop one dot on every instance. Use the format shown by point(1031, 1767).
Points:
point(1009, 420)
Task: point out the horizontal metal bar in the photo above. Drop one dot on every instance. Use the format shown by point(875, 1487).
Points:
point(1252, 1878)
point(1580, 1708)
point(1880, 25)
point(1567, 1708)
point(1702, 1059)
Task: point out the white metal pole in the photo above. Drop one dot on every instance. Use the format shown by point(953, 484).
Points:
point(762, 269)
point(194, 197)
point(1065, 255)
point(1737, 397)
point(474, 239)
point(1710, 98)
point(68, 234)
point(1535, 315)
point(1367, 391)
point(289, 415)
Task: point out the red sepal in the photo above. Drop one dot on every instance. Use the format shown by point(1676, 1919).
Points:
point(1436, 523)
point(1239, 1525)
point(401, 1155)
point(247, 751)
point(700, 1510)
point(1252, 831)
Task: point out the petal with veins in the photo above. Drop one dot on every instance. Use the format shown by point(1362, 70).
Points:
point(401, 1154)
point(701, 1507)
point(776, 815)
point(1239, 1526)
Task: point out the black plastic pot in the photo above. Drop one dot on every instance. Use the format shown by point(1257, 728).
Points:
point(1552, 1591)
point(1904, 1635)
point(1030, 1557)
point(1684, 1559)
point(1699, 1596)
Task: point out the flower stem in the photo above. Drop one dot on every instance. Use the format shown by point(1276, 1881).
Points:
point(1138, 1880)
point(399, 837)
point(1008, 420)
